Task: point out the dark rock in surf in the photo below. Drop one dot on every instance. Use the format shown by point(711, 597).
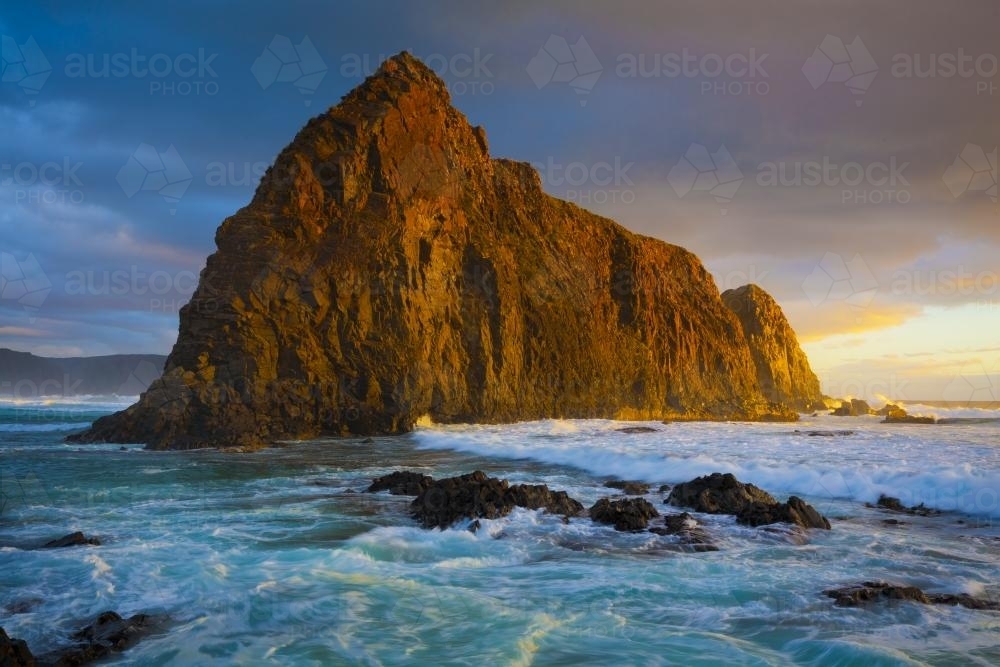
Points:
point(869, 592)
point(718, 493)
point(723, 494)
point(895, 505)
point(72, 540)
point(796, 512)
point(478, 496)
point(684, 526)
point(624, 514)
point(637, 429)
point(629, 488)
point(401, 483)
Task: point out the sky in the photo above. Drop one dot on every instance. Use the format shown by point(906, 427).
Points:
point(842, 155)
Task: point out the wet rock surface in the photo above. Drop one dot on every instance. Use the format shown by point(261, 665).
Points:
point(631, 430)
point(14, 652)
point(478, 496)
point(796, 512)
point(402, 483)
point(624, 514)
point(868, 592)
point(724, 494)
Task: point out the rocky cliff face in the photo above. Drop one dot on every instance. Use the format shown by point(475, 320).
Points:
point(387, 268)
point(783, 371)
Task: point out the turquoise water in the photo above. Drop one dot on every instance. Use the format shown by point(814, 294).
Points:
point(274, 558)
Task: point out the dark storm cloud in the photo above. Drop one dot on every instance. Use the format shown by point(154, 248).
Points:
point(101, 102)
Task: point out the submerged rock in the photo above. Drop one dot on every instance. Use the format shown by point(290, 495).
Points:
point(684, 526)
point(624, 514)
point(824, 434)
point(895, 505)
point(72, 540)
point(874, 591)
point(631, 488)
point(388, 269)
point(478, 496)
point(401, 483)
point(15, 652)
point(637, 429)
point(724, 494)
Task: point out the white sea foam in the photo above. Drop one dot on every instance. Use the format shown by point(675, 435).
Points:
point(42, 428)
point(948, 468)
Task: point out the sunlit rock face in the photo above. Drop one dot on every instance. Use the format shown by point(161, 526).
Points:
point(388, 269)
point(783, 371)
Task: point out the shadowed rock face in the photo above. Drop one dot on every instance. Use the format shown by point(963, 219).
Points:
point(782, 367)
point(387, 268)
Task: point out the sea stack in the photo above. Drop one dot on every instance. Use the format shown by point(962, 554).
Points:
point(388, 268)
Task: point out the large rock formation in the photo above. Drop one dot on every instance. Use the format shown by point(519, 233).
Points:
point(782, 367)
point(387, 268)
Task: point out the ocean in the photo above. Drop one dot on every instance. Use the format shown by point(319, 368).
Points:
point(275, 557)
